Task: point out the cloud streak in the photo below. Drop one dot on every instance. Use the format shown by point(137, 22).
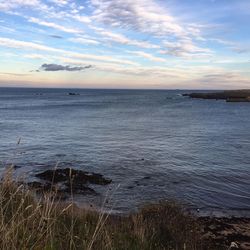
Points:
point(84, 41)
point(184, 48)
point(11, 43)
point(122, 39)
point(148, 56)
point(54, 26)
point(12, 4)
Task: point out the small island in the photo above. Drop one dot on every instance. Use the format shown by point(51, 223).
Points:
point(227, 95)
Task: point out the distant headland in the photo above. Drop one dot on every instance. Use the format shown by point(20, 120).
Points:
point(242, 95)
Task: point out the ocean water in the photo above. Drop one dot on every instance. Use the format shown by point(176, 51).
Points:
point(154, 145)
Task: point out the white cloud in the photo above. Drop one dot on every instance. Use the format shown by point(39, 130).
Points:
point(136, 70)
point(8, 5)
point(11, 43)
point(222, 41)
point(81, 18)
point(104, 58)
point(60, 2)
point(7, 29)
point(148, 56)
point(225, 79)
point(185, 48)
point(85, 41)
point(142, 15)
point(54, 25)
point(122, 39)
point(36, 56)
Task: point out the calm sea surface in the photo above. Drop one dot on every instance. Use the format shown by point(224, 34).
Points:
point(153, 144)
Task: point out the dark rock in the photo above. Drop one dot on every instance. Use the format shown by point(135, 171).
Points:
point(63, 190)
point(16, 166)
point(78, 188)
point(77, 176)
point(229, 95)
point(225, 230)
point(46, 187)
point(71, 93)
point(68, 181)
point(39, 186)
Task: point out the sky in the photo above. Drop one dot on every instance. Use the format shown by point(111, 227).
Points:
point(151, 44)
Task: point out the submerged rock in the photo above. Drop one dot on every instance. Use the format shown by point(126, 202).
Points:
point(74, 175)
point(40, 186)
point(78, 188)
point(67, 181)
point(16, 166)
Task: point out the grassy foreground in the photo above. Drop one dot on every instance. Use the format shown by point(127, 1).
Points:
point(28, 223)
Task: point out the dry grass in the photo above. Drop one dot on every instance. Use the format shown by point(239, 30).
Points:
point(28, 223)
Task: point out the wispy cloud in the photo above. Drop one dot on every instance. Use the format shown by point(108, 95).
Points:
point(60, 2)
point(15, 4)
point(148, 56)
point(11, 4)
point(184, 48)
point(54, 25)
point(13, 74)
point(11, 43)
point(82, 19)
point(119, 38)
point(84, 41)
point(146, 16)
point(226, 79)
point(35, 56)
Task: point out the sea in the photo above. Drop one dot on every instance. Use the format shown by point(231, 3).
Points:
point(155, 145)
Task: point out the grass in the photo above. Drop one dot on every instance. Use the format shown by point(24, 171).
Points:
point(30, 223)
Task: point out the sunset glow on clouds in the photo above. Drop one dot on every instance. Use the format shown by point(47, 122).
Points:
point(202, 44)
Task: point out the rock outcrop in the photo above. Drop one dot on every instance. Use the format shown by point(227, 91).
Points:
point(229, 95)
point(66, 181)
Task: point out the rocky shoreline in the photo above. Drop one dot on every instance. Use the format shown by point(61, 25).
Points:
point(225, 232)
point(220, 232)
point(67, 181)
point(228, 95)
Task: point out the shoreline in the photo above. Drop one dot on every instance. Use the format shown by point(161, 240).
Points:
point(88, 184)
point(217, 232)
point(206, 232)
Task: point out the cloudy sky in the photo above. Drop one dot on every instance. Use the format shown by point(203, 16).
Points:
point(190, 44)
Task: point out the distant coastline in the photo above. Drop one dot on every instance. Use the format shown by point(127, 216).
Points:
point(227, 95)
